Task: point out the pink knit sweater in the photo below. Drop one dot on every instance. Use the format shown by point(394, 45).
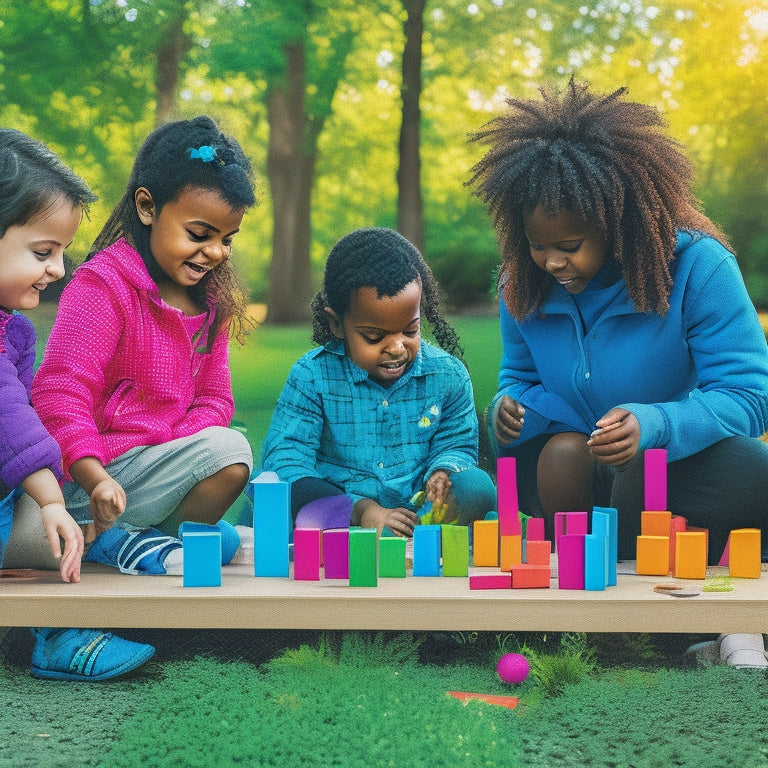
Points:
point(121, 369)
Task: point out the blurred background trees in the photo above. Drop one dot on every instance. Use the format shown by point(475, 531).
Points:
point(357, 114)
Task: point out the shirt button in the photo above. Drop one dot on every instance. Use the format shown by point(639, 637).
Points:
point(586, 375)
point(385, 403)
point(381, 465)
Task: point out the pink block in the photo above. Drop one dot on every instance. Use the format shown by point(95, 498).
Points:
point(306, 554)
point(336, 553)
point(534, 529)
point(490, 581)
point(574, 523)
point(507, 505)
point(655, 479)
point(570, 561)
point(676, 525)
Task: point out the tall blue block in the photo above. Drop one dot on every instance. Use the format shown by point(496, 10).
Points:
point(595, 562)
point(426, 550)
point(612, 535)
point(271, 528)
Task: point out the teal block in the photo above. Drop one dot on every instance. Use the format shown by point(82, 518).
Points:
point(271, 528)
point(201, 550)
point(426, 550)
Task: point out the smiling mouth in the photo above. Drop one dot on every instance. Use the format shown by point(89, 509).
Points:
point(394, 365)
point(196, 267)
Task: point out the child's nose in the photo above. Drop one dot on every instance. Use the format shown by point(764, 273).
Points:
point(554, 261)
point(216, 251)
point(55, 267)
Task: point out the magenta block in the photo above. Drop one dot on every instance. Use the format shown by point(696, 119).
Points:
point(573, 523)
point(655, 480)
point(306, 554)
point(570, 561)
point(336, 553)
point(507, 506)
point(534, 530)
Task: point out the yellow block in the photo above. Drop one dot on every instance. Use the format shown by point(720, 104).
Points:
point(485, 543)
point(655, 523)
point(691, 555)
point(653, 555)
point(744, 553)
point(511, 552)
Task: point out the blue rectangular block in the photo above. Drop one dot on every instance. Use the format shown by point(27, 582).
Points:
point(595, 562)
point(613, 539)
point(201, 549)
point(426, 550)
point(271, 528)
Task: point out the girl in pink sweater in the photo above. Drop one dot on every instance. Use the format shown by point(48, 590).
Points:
point(135, 382)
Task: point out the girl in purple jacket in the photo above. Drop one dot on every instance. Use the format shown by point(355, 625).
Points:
point(41, 206)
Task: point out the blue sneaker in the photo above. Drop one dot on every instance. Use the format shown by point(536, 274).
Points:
point(133, 551)
point(85, 654)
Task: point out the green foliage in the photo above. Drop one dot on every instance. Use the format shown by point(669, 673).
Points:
point(554, 672)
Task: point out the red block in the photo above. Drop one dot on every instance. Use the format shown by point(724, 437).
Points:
point(490, 581)
point(527, 576)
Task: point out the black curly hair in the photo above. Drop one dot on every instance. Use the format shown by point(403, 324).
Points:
point(32, 178)
point(380, 258)
point(165, 167)
point(604, 157)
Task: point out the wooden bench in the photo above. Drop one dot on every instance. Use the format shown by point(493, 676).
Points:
point(105, 598)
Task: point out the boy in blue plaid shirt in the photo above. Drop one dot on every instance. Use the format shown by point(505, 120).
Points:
point(375, 416)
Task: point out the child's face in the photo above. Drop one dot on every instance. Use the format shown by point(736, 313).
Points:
point(381, 335)
point(32, 254)
point(565, 246)
point(190, 235)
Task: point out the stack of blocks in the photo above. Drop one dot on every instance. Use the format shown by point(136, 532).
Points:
point(518, 549)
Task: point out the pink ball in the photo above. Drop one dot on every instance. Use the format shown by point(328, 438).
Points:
point(513, 668)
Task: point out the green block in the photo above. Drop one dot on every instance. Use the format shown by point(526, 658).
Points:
point(455, 550)
point(392, 557)
point(362, 557)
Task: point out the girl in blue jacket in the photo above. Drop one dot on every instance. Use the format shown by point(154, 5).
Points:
point(625, 321)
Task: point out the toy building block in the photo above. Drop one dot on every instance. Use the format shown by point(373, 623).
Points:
point(362, 557)
point(306, 554)
point(691, 555)
point(534, 529)
point(485, 543)
point(455, 550)
point(511, 552)
point(655, 523)
point(490, 581)
point(529, 576)
point(605, 521)
point(574, 523)
point(744, 555)
point(570, 561)
point(676, 525)
point(595, 562)
point(655, 479)
point(201, 553)
point(336, 553)
point(724, 558)
point(271, 528)
point(506, 495)
point(538, 552)
point(426, 550)
point(652, 555)
point(392, 557)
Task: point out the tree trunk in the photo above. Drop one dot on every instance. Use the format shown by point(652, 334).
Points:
point(174, 46)
point(290, 169)
point(410, 209)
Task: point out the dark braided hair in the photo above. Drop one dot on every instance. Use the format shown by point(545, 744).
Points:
point(380, 258)
point(165, 167)
point(32, 178)
point(606, 159)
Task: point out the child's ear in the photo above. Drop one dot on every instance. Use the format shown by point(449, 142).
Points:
point(145, 205)
point(336, 325)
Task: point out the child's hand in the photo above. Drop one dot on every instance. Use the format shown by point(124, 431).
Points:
point(508, 420)
point(616, 439)
point(437, 486)
point(370, 514)
point(60, 525)
point(107, 504)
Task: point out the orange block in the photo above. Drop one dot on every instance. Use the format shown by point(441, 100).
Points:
point(652, 555)
point(511, 552)
point(744, 555)
point(655, 523)
point(527, 576)
point(538, 552)
point(485, 543)
point(691, 555)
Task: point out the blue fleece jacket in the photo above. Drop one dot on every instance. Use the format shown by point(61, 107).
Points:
point(693, 377)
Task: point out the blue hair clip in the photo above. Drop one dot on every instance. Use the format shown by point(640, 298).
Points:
point(205, 153)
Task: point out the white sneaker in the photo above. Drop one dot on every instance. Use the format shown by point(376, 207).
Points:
point(244, 554)
point(742, 651)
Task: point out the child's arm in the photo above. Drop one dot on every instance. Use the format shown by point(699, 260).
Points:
point(370, 514)
point(107, 495)
point(43, 487)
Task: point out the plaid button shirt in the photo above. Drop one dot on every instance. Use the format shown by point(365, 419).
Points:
point(332, 421)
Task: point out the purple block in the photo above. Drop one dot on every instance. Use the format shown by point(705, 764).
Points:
point(336, 553)
point(570, 561)
point(655, 480)
point(306, 554)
